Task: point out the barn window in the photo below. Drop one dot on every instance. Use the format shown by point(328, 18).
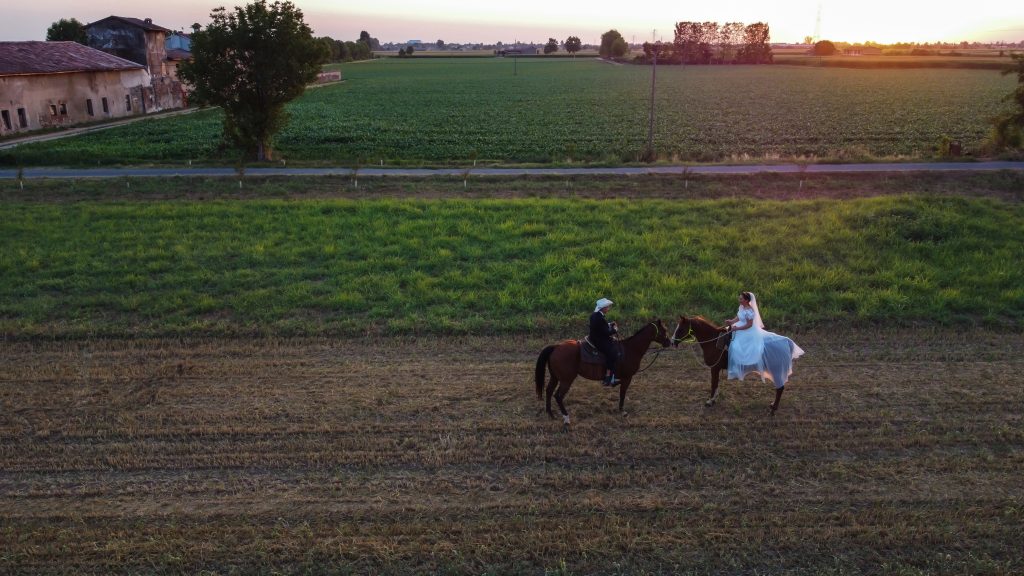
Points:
point(106, 107)
point(6, 115)
point(88, 107)
point(128, 102)
point(63, 109)
point(53, 110)
point(22, 118)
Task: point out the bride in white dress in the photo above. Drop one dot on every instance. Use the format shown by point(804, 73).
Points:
point(754, 350)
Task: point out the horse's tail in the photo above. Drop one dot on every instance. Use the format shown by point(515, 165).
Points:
point(542, 362)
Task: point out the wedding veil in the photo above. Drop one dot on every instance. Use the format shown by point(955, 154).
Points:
point(757, 312)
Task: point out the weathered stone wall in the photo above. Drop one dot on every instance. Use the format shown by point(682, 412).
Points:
point(54, 100)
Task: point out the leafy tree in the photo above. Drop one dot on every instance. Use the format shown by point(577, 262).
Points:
point(357, 50)
point(440, 44)
point(251, 63)
point(756, 48)
point(67, 29)
point(409, 50)
point(694, 41)
point(401, 52)
point(607, 40)
point(619, 47)
point(824, 48)
point(730, 36)
point(371, 42)
point(333, 50)
point(572, 45)
point(551, 46)
point(1009, 127)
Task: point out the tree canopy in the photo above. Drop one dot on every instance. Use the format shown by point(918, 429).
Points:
point(572, 45)
point(608, 41)
point(371, 42)
point(714, 43)
point(1009, 127)
point(551, 46)
point(251, 62)
point(824, 48)
point(68, 30)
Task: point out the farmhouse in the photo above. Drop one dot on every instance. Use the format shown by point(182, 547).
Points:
point(140, 41)
point(50, 84)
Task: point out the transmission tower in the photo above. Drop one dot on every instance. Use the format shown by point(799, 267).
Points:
point(817, 25)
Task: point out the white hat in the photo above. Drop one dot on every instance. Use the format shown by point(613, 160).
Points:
point(603, 303)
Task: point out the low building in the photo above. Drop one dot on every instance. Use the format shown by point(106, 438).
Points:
point(54, 84)
point(862, 51)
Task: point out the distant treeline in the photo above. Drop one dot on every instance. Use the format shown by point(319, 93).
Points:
point(347, 51)
point(714, 43)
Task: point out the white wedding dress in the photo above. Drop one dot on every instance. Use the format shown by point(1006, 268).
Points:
point(757, 351)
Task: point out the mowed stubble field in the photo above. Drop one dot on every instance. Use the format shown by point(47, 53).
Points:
point(894, 451)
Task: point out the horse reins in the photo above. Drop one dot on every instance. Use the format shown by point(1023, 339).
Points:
point(656, 352)
point(689, 334)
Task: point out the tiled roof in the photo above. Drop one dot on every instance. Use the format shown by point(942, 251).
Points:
point(18, 58)
point(134, 22)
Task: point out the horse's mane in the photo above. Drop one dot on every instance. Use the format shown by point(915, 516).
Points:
point(644, 327)
point(705, 321)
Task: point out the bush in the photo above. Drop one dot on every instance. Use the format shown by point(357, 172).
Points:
point(824, 48)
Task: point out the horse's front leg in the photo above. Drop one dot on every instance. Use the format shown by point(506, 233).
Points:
point(623, 386)
point(715, 374)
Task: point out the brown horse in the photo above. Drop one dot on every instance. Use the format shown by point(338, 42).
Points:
point(563, 362)
point(706, 334)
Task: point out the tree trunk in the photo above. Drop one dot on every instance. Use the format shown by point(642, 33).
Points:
point(264, 151)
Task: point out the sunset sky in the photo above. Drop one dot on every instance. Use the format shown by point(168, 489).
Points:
point(883, 21)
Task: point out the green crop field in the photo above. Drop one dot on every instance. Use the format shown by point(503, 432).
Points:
point(349, 266)
point(457, 111)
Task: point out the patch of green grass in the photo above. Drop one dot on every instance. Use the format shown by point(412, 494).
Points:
point(455, 111)
point(491, 266)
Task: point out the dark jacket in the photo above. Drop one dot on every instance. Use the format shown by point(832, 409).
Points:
point(600, 330)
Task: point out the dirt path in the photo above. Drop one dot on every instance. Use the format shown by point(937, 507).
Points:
point(431, 455)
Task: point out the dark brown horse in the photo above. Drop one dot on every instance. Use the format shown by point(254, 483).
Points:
point(706, 334)
point(563, 363)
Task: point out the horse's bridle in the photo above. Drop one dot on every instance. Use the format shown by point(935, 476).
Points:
point(657, 330)
point(689, 334)
point(687, 339)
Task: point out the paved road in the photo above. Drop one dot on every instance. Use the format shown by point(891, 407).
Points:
point(32, 173)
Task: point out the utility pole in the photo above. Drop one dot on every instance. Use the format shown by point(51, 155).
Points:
point(655, 48)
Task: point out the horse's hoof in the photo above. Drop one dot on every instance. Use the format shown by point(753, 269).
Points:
point(709, 403)
point(565, 420)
